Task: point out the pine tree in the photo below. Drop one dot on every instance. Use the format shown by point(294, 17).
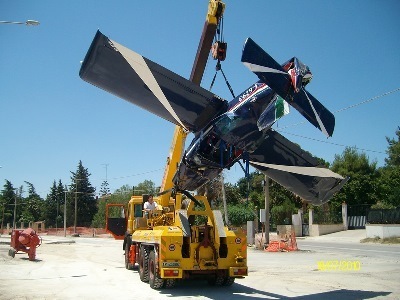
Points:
point(53, 209)
point(51, 206)
point(33, 206)
point(83, 194)
point(7, 199)
point(61, 195)
point(104, 189)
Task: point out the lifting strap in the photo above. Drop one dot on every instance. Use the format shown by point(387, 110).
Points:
point(218, 67)
point(218, 52)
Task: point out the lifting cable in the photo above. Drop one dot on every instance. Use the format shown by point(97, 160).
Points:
point(218, 52)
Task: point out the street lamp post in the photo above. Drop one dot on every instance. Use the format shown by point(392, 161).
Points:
point(27, 22)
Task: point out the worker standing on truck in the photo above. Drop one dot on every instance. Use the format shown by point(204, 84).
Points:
point(149, 205)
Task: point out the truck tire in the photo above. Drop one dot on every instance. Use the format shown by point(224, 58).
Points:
point(154, 279)
point(169, 283)
point(128, 265)
point(144, 264)
point(221, 280)
point(229, 281)
point(216, 280)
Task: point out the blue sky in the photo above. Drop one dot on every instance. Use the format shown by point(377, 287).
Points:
point(50, 119)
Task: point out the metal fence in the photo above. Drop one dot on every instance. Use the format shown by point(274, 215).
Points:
point(383, 216)
point(357, 215)
point(358, 209)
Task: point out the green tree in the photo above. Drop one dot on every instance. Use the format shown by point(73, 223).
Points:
point(146, 187)
point(7, 199)
point(282, 213)
point(33, 206)
point(61, 196)
point(239, 214)
point(54, 200)
point(50, 212)
point(363, 187)
point(232, 194)
point(393, 150)
point(390, 173)
point(390, 186)
point(282, 202)
point(126, 189)
point(84, 194)
point(104, 189)
point(99, 219)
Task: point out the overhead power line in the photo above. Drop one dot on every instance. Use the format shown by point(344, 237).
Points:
point(139, 174)
point(326, 142)
point(369, 100)
point(352, 106)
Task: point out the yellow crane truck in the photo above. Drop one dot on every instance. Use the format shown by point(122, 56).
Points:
point(188, 242)
point(183, 238)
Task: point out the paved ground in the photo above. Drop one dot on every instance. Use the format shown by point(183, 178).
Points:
point(92, 268)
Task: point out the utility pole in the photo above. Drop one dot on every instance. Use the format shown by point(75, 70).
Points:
point(266, 224)
point(15, 210)
point(57, 216)
point(65, 211)
point(15, 206)
point(2, 219)
point(76, 203)
point(106, 166)
point(224, 198)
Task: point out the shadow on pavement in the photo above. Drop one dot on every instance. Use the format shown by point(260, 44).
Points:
point(238, 291)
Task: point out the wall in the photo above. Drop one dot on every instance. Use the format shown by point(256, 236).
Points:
point(382, 230)
point(287, 229)
point(321, 229)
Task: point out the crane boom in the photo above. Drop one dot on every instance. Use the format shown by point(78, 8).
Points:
point(215, 11)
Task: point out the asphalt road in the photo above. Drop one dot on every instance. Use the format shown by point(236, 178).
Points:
point(93, 268)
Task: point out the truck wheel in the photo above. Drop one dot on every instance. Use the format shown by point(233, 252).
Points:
point(169, 283)
point(216, 280)
point(229, 281)
point(144, 264)
point(155, 281)
point(128, 265)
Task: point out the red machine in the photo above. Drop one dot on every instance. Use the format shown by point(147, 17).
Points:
point(25, 240)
